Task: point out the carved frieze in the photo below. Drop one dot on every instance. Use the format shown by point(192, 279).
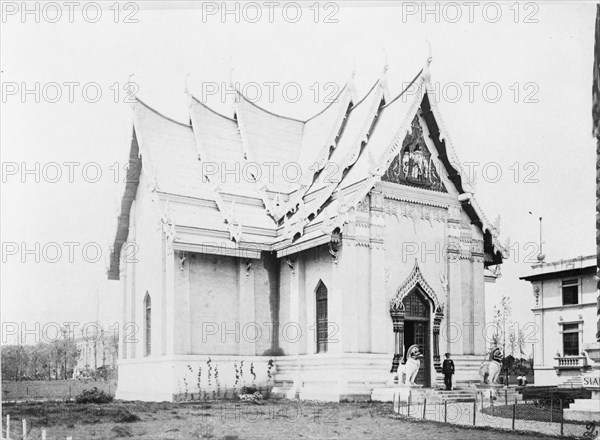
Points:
point(414, 211)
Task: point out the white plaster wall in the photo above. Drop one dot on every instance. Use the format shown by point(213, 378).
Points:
point(144, 273)
point(214, 298)
point(406, 241)
point(316, 264)
point(262, 307)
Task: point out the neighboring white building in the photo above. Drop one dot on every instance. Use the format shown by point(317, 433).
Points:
point(97, 351)
point(565, 318)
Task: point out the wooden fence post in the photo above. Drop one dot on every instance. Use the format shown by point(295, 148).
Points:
point(474, 409)
point(43, 434)
point(562, 418)
point(551, 407)
point(445, 411)
point(8, 426)
point(424, 406)
point(24, 429)
point(514, 414)
point(408, 408)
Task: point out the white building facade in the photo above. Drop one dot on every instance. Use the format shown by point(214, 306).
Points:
point(565, 318)
point(313, 281)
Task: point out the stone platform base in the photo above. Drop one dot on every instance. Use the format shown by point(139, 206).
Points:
point(584, 410)
point(400, 393)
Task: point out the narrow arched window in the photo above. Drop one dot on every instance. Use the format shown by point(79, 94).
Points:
point(321, 300)
point(147, 325)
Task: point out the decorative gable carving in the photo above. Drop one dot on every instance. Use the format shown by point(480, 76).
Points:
point(414, 165)
point(415, 277)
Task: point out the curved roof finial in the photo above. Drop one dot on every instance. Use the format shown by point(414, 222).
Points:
point(350, 84)
point(131, 89)
point(186, 90)
point(185, 87)
point(426, 70)
point(386, 66)
point(383, 78)
point(430, 57)
point(231, 83)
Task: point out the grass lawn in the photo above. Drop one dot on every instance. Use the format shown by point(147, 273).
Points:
point(529, 411)
point(231, 420)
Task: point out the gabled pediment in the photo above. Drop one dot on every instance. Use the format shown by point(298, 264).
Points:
point(414, 164)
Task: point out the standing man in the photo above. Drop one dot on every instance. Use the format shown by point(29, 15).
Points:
point(448, 371)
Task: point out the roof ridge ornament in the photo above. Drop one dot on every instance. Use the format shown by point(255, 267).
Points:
point(131, 90)
point(426, 69)
point(383, 78)
point(352, 86)
point(186, 90)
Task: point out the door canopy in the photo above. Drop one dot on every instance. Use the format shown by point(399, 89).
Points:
point(415, 278)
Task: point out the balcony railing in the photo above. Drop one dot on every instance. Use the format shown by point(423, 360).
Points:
point(570, 362)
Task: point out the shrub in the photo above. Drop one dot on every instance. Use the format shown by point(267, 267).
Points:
point(93, 396)
point(277, 351)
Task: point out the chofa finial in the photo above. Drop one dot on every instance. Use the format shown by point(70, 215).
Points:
point(386, 65)
point(130, 86)
point(231, 83)
point(185, 83)
point(426, 70)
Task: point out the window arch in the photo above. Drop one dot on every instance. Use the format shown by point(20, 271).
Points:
point(147, 325)
point(321, 303)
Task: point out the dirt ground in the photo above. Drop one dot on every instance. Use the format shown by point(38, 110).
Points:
point(229, 420)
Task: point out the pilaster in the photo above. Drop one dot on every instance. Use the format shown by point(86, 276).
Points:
point(247, 303)
point(379, 307)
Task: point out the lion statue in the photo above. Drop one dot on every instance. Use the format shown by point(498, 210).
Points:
point(407, 372)
point(490, 367)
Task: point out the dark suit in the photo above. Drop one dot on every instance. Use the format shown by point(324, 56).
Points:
point(448, 371)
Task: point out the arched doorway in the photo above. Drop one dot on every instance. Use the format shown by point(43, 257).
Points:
point(416, 331)
point(416, 317)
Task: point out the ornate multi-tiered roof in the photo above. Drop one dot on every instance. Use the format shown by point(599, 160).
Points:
point(258, 181)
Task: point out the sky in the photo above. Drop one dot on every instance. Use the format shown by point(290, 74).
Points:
point(514, 84)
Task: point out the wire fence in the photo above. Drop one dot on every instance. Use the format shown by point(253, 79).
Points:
point(542, 415)
point(60, 390)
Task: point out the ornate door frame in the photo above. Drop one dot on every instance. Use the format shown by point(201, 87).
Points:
point(398, 313)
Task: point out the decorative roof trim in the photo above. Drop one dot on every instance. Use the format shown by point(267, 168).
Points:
point(347, 161)
point(241, 96)
point(197, 101)
point(152, 109)
point(377, 167)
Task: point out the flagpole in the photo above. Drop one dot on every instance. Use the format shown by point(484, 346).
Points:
point(596, 133)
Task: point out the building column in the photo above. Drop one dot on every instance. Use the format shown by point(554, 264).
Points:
point(398, 321)
point(437, 320)
point(131, 339)
point(121, 328)
point(454, 324)
point(335, 300)
point(247, 315)
point(183, 303)
point(379, 308)
point(479, 340)
point(295, 289)
point(168, 300)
